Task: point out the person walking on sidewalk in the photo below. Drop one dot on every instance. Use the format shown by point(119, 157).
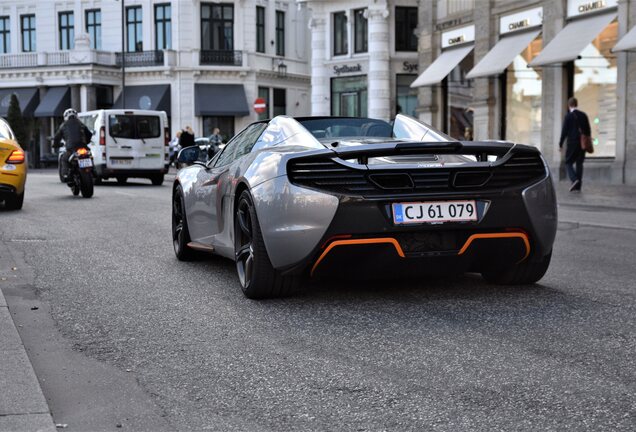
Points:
point(574, 124)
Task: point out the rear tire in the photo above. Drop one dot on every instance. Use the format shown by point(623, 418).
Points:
point(524, 273)
point(14, 202)
point(157, 180)
point(86, 184)
point(122, 180)
point(257, 276)
point(180, 233)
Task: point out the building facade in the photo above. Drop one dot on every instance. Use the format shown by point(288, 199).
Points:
point(505, 69)
point(203, 62)
point(363, 57)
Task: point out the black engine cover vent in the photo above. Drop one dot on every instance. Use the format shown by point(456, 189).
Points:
point(471, 178)
point(392, 181)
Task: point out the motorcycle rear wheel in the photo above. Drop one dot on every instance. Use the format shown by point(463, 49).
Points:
point(86, 183)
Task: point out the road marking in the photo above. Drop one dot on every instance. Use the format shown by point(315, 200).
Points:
point(125, 193)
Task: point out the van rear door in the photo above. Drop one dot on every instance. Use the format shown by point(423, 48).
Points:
point(136, 141)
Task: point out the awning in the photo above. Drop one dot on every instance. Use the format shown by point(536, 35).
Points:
point(572, 39)
point(627, 42)
point(28, 98)
point(147, 97)
point(55, 101)
point(442, 66)
point(220, 100)
point(502, 54)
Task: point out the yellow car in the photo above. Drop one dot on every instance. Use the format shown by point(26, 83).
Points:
point(13, 169)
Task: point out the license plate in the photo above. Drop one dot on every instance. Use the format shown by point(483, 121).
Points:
point(434, 212)
point(85, 163)
point(121, 161)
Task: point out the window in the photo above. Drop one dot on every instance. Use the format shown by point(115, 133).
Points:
point(224, 123)
point(94, 27)
point(27, 25)
point(263, 93)
point(349, 96)
point(67, 30)
point(280, 102)
point(260, 29)
point(134, 29)
point(595, 78)
point(248, 139)
point(5, 35)
point(340, 46)
point(280, 33)
point(134, 127)
point(406, 96)
point(405, 24)
point(163, 26)
point(217, 27)
point(361, 41)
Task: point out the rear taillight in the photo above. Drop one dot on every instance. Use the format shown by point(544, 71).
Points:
point(166, 136)
point(102, 136)
point(16, 157)
point(82, 151)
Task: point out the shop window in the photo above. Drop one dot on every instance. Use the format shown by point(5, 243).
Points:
point(94, 27)
point(134, 29)
point(5, 35)
point(260, 29)
point(405, 95)
point(361, 25)
point(340, 43)
point(217, 27)
point(27, 28)
point(224, 123)
point(163, 26)
point(595, 78)
point(405, 24)
point(522, 116)
point(349, 96)
point(280, 33)
point(280, 102)
point(459, 98)
point(263, 93)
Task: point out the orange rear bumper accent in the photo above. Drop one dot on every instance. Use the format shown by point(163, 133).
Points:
point(383, 240)
point(520, 235)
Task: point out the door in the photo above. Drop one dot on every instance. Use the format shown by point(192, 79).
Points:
point(135, 141)
point(350, 104)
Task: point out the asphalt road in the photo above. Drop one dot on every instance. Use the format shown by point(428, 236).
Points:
point(128, 338)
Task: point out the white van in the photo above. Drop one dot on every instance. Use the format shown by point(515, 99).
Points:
point(128, 143)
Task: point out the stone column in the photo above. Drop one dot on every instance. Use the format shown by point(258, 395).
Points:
point(484, 89)
point(625, 168)
point(428, 46)
point(319, 79)
point(379, 80)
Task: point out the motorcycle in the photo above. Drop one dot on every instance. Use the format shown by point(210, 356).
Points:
point(80, 176)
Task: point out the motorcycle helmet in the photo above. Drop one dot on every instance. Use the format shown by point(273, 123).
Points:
point(69, 113)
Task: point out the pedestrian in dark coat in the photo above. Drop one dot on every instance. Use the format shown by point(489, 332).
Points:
point(187, 137)
point(574, 124)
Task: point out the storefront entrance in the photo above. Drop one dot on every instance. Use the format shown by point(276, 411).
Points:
point(349, 96)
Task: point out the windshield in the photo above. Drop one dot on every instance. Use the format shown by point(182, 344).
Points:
point(134, 126)
point(5, 131)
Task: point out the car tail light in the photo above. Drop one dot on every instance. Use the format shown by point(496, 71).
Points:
point(16, 157)
point(166, 136)
point(102, 136)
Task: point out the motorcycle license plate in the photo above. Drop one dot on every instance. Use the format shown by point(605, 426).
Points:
point(85, 163)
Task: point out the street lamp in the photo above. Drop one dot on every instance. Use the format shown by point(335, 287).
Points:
point(123, 54)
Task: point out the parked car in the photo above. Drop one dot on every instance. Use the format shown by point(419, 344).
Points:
point(13, 169)
point(308, 197)
point(129, 143)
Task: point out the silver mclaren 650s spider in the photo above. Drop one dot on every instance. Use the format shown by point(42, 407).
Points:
point(294, 198)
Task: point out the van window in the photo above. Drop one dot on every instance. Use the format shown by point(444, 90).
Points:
point(89, 121)
point(134, 127)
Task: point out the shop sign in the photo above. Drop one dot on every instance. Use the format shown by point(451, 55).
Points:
point(581, 7)
point(521, 20)
point(458, 36)
point(409, 67)
point(337, 70)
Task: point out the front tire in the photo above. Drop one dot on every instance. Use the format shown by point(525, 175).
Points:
point(86, 183)
point(524, 273)
point(14, 202)
point(180, 233)
point(257, 276)
point(157, 180)
point(60, 173)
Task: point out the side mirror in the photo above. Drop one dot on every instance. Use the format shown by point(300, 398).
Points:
point(189, 155)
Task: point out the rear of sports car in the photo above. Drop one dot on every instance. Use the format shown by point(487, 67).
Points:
point(417, 208)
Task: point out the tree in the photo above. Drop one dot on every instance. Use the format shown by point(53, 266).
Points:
point(16, 121)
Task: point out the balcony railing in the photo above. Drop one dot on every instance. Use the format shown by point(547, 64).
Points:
point(8, 61)
point(141, 58)
point(221, 58)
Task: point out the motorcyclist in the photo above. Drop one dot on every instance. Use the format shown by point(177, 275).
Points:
point(75, 135)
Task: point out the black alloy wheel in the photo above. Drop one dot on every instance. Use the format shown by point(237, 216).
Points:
point(180, 234)
point(244, 247)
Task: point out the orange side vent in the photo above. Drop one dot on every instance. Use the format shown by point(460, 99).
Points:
point(520, 235)
point(385, 240)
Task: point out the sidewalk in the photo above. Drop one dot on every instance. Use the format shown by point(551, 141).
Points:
point(608, 206)
point(22, 404)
